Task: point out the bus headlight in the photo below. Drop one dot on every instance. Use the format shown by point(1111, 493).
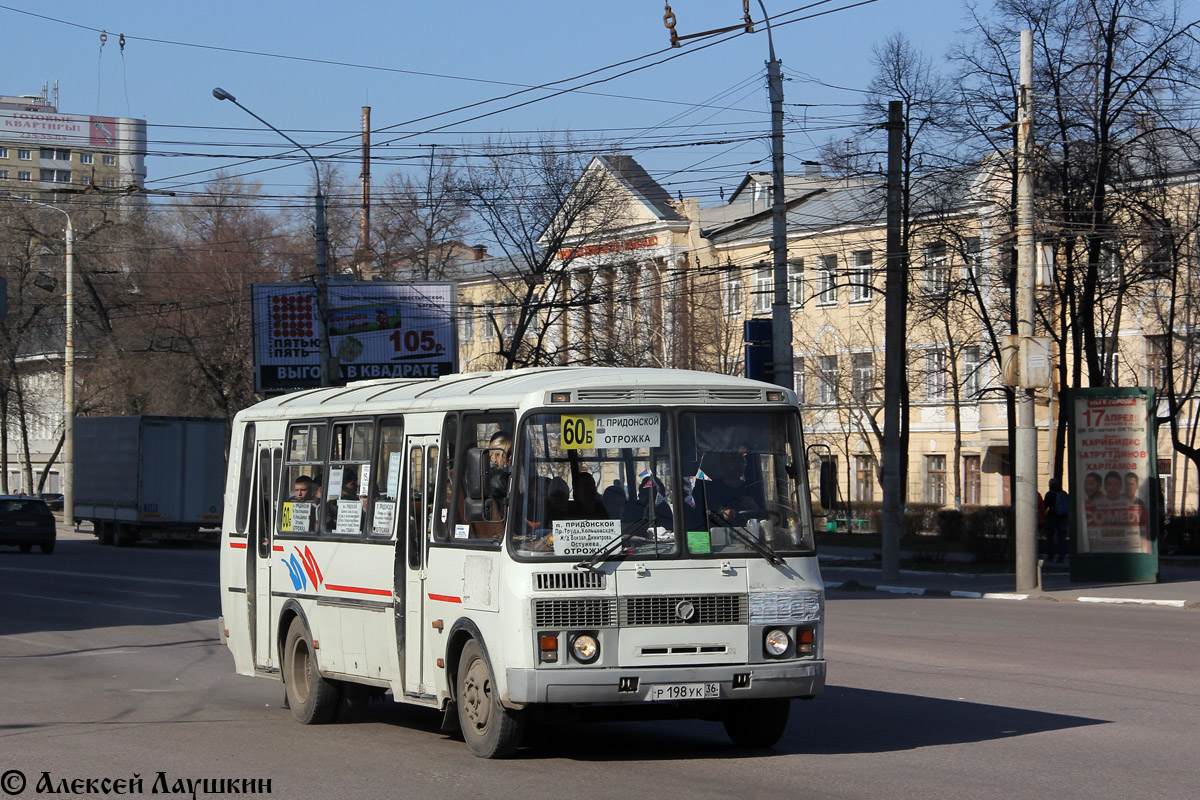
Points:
point(584, 648)
point(776, 642)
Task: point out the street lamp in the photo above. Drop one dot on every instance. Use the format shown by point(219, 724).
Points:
point(68, 452)
point(326, 359)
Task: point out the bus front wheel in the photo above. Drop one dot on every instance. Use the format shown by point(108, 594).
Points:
point(313, 699)
point(756, 723)
point(488, 728)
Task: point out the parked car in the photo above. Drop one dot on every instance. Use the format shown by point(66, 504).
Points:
point(26, 521)
point(54, 500)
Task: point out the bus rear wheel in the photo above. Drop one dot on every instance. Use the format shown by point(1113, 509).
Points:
point(756, 723)
point(488, 728)
point(313, 699)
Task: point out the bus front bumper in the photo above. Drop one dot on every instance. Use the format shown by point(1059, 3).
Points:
point(620, 685)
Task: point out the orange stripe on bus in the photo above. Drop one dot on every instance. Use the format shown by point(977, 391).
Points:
point(238, 545)
point(359, 590)
point(445, 598)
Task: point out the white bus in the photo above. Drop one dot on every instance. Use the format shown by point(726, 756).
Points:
point(486, 543)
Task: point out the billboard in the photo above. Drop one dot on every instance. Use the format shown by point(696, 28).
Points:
point(49, 127)
point(376, 330)
point(1114, 470)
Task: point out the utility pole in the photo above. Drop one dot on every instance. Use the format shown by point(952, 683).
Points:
point(364, 233)
point(781, 307)
point(895, 338)
point(1025, 474)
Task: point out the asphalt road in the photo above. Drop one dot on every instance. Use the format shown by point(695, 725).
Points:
point(110, 667)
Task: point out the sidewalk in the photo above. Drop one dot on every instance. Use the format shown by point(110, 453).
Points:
point(1178, 586)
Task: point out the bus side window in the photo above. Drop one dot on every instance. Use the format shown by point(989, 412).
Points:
point(244, 485)
point(493, 433)
point(385, 477)
point(303, 476)
point(347, 498)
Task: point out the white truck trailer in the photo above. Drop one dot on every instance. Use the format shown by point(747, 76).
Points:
point(150, 477)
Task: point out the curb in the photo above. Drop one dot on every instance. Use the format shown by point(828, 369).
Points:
point(854, 586)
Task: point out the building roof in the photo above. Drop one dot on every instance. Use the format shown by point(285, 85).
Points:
point(641, 184)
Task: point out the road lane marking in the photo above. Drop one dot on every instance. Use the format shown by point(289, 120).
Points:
point(106, 576)
point(1134, 601)
point(110, 605)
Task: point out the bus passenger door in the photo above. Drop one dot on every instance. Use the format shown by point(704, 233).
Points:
point(270, 462)
point(421, 453)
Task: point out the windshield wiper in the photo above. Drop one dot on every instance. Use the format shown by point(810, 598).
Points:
point(760, 547)
point(606, 549)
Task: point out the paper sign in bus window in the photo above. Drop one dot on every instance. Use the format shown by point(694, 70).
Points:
point(583, 537)
point(349, 516)
point(296, 517)
point(393, 476)
point(384, 513)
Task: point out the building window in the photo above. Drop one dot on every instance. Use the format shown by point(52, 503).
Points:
point(3, 174)
point(466, 323)
point(971, 369)
point(1109, 267)
point(972, 480)
point(973, 259)
point(109, 182)
point(731, 299)
point(487, 323)
point(62, 155)
point(864, 479)
point(109, 161)
point(826, 280)
point(508, 321)
point(62, 176)
point(796, 281)
point(25, 155)
point(764, 289)
point(935, 480)
point(47, 153)
point(935, 371)
point(3, 152)
point(861, 276)
point(1156, 362)
point(85, 158)
point(827, 380)
point(798, 382)
point(863, 377)
point(46, 176)
point(937, 268)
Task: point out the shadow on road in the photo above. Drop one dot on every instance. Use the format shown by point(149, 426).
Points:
point(842, 721)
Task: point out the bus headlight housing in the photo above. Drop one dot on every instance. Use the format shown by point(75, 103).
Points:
point(585, 648)
point(776, 642)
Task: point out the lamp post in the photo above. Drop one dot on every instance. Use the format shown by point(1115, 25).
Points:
point(326, 358)
point(68, 451)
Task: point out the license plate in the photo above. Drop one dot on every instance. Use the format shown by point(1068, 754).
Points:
point(684, 691)
point(24, 524)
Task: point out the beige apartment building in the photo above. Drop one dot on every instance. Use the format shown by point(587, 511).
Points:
point(671, 284)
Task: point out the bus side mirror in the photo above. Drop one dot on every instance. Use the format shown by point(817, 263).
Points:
point(476, 508)
point(829, 487)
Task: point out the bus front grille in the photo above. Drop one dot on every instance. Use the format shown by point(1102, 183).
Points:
point(575, 612)
point(705, 609)
point(555, 581)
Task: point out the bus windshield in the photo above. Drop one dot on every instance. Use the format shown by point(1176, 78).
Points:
point(612, 482)
point(741, 484)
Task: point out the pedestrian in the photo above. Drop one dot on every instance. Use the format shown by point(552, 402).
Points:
point(1058, 510)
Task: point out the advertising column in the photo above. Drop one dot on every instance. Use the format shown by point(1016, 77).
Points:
point(1114, 497)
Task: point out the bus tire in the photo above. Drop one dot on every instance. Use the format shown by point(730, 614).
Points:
point(756, 723)
point(488, 728)
point(313, 699)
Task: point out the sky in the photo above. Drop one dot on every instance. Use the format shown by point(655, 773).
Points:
point(689, 120)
